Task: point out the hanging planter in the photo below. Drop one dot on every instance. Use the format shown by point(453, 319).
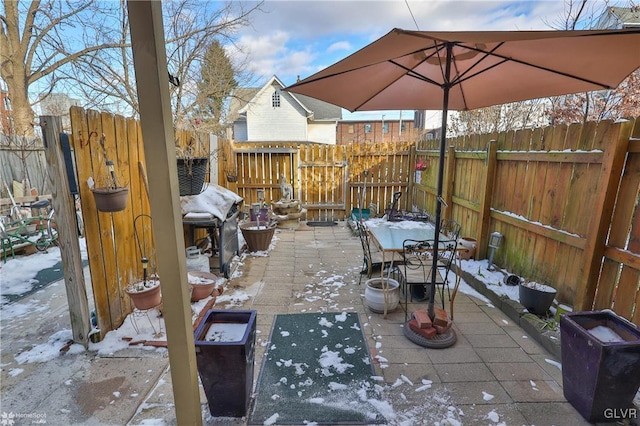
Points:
point(110, 199)
point(191, 175)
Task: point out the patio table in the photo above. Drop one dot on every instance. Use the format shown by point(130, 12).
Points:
point(389, 236)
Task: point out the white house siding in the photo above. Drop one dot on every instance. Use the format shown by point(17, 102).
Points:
point(323, 133)
point(266, 123)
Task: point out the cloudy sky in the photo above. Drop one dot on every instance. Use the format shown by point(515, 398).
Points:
point(298, 38)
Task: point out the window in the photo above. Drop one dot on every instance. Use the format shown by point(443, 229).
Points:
point(350, 128)
point(275, 99)
point(403, 126)
point(367, 128)
point(385, 127)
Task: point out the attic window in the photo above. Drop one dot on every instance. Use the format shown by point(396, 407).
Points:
point(275, 99)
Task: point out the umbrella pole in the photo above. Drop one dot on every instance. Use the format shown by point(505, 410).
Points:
point(443, 143)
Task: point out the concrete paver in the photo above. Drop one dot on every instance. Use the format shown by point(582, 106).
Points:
point(495, 370)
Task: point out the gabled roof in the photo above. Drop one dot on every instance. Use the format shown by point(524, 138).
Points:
point(321, 110)
point(316, 109)
point(240, 97)
point(627, 16)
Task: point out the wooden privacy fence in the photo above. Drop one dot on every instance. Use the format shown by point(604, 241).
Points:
point(564, 197)
point(555, 194)
point(550, 192)
point(329, 180)
point(117, 241)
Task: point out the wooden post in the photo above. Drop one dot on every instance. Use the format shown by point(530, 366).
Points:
point(150, 64)
point(610, 176)
point(449, 176)
point(67, 226)
point(484, 219)
point(409, 199)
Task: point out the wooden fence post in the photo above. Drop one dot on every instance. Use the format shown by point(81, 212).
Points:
point(411, 175)
point(67, 227)
point(611, 173)
point(450, 172)
point(484, 219)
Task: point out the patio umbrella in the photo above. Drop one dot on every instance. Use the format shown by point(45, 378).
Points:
point(472, 69)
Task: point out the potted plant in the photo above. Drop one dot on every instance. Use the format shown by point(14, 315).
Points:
point(536, 297)
point(145, 294)
point(109, 196)
point(202, 285)
point(192, 162)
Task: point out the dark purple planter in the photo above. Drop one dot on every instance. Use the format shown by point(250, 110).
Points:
point(600, 379)
point(226, 367)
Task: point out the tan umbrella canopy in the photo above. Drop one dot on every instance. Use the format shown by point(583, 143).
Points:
point(472, 69)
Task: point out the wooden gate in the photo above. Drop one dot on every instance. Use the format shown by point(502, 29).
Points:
point(322, 177)
point(262, 168)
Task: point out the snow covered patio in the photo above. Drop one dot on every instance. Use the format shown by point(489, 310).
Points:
point(495, 374)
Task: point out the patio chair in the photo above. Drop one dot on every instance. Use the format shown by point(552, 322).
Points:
point(415, 273)
point(447, 256)
point(450, 228)
point(372, 259)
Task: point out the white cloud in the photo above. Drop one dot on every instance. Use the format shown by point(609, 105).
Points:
point(341, 45)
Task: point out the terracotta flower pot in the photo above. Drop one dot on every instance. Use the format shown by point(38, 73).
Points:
point(203, 285)
point(145, 299)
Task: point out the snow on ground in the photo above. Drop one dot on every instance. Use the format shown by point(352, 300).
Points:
point(17, 273)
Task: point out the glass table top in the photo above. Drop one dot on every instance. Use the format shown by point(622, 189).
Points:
point(390, 235)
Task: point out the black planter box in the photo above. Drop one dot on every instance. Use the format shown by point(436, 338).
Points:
point(226, 367)
point(600, 379)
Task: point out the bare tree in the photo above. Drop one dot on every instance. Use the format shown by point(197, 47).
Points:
point(622, 102)
point(191, 28)
point(499, 118)
point(83, 48)
point(33, 49)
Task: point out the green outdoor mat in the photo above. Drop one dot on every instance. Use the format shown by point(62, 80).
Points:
point(317, 368)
